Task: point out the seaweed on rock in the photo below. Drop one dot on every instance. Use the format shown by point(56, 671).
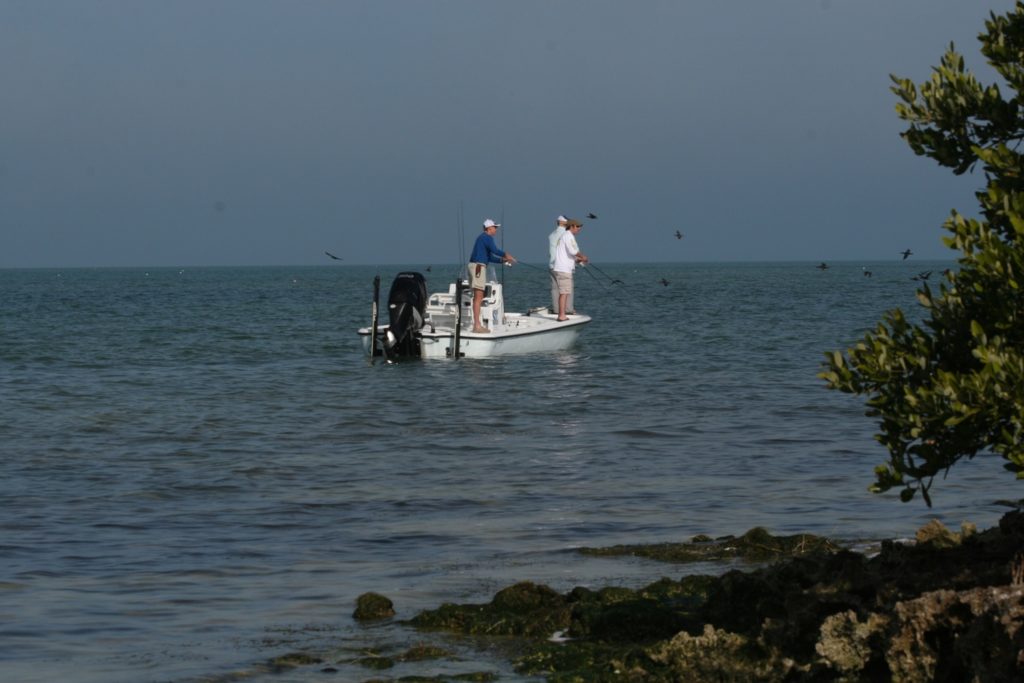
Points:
point(942, 609)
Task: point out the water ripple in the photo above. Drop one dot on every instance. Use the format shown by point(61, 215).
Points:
point(194, 463)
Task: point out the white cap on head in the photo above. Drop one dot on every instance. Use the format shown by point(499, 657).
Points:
point(491, 224)
point(563, 219)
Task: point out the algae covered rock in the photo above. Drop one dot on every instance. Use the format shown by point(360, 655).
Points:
point(524, 609)
point(292, 660)
point(374, 660)
point(371, 606)
point(757, 545)
point(945, 608)
point(979, 633)
point(419, 653)
point(716, 655)
point(1012, 523)
point(583, 660)
point(657, 611)
point(850, 646)
point(976, 635)
point(937, 535)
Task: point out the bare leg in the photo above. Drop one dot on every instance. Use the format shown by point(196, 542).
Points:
point(478, 297)
point(561, 306)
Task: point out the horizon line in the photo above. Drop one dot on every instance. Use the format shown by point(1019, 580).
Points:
point(439, 264)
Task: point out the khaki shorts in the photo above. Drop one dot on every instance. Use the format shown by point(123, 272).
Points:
point(564, 282)
point(477, 275)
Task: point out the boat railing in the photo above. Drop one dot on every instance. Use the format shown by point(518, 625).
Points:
point(442, 311)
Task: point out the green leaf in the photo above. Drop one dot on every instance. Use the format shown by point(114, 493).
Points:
point(952, 385)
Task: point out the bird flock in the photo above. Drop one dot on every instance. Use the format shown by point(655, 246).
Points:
point(823, 266)
point(590, 216)
point(922, 276)
point(906, 253)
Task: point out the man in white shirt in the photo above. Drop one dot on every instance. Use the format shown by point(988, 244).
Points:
point(567, 255)
point(553, 239)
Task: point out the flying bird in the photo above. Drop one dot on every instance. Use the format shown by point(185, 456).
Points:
point(822, 266)
point(906, 253)
point(664, 282)
point(592, 216)
point(679, 235)
point(922, 275)
point(428, 269)
point(333, 256)
point(867, 273)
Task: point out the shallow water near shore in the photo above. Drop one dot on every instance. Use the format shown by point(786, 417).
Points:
point(201, 471)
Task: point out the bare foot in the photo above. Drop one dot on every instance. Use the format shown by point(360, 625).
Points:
point(562, 319)
point(481, 330)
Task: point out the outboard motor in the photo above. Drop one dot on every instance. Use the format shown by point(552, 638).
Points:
point(406, 304)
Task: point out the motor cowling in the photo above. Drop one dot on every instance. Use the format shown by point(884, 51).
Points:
point(407, 302)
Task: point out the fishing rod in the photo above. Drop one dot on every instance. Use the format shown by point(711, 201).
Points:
point(374, 312)
point(462, 242)
point(501, 222)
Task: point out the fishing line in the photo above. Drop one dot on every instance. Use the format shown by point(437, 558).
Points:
point(603, 285)
point(530, 265)
point(547, 271)
point(610, 278)
point(585, 268)
point(613, 292)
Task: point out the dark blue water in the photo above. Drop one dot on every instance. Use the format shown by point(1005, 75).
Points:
point(200, 470)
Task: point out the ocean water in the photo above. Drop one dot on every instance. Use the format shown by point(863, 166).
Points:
point(200, 470)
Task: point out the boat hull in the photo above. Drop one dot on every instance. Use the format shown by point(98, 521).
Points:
point(520, 334)
point(432, 333)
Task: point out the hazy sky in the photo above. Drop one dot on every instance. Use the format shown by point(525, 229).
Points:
point(259, 132)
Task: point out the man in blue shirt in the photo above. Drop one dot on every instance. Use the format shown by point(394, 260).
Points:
point(484, 251)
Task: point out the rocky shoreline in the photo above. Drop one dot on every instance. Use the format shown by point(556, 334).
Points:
point(948, 607)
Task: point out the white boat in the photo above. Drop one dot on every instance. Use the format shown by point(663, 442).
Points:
point(436, 326)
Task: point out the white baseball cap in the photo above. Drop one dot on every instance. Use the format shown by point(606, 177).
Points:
point(563, 219)
point(491, 224)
